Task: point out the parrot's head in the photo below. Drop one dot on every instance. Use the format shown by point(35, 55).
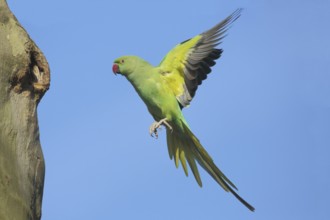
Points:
point(124, 65)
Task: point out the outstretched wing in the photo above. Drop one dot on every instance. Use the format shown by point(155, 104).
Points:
point(187, 64)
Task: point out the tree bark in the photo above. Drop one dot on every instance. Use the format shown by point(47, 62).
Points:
point(24, 79)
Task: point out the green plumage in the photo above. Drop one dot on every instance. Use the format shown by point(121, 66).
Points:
point(169, 87)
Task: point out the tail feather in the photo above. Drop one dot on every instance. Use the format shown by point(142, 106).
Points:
point(192, 164)
point(207, 163)
point(170, 144)
point(241, 199)
point(178, 148)
point(184, 146)
point(183, 162)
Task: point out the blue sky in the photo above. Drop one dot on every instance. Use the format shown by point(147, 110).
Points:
point(263, 113)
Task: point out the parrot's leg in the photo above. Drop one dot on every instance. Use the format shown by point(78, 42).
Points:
point(156, 125)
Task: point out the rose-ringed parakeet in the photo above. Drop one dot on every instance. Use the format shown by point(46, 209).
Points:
point(170, 86)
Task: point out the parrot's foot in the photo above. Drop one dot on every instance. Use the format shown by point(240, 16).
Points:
point(156, 125)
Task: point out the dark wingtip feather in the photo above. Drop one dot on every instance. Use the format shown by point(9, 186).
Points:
point(185, 41)
point(204, 53)
point(215, 54)
point(223, 26)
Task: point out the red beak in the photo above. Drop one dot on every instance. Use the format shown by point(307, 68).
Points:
point(115, 69)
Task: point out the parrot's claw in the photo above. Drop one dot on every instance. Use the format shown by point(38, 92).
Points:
point(156, 125)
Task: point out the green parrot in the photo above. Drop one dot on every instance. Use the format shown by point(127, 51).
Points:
point(169, 87)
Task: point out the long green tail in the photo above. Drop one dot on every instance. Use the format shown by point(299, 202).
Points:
point(184, 146)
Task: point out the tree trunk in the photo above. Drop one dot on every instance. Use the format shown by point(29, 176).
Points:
point(24, 78)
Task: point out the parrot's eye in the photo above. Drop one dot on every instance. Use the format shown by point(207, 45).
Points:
point(122, 61)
